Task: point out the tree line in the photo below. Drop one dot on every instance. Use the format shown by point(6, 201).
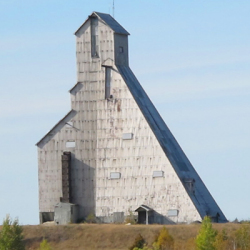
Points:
point(11, 236)
point(207, 238)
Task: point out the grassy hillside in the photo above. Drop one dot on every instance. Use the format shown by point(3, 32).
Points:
point(110, 236)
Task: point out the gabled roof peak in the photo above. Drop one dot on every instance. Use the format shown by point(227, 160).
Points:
point(108, 20)
point(56, 128)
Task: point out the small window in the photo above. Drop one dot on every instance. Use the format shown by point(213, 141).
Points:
point(190, 184)
point(115, 175)
point(127, 136)
point(158, 174)
point(70, 144)
point(120, 49)
point(173, 212)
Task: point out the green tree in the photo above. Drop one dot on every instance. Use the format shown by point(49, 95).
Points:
point(11, 237)
point(44, 245)
point(138, 243)
point(206, 238)
point(221, 241)
point(164, 240)
point(242, 237)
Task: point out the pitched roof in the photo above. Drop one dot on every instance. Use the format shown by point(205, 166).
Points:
point(57, 127)
point(76, 88)
point(110, 21)
point(143, 208)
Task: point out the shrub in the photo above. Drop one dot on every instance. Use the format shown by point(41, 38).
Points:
point(11, 237)
point(205, 240)
point(130, 218)
point(164, 240)
point(91, 218)
point(44, 245)
point(144, 248)
point(138, 243)
point(221, 241)
point(242, 237)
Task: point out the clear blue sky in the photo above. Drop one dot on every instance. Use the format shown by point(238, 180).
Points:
point(192, 57)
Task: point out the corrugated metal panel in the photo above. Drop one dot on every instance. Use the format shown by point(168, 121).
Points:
point(202, 199)
point(112, 23)
point(98, 127)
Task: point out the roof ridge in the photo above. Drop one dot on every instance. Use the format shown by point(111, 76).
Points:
point(108, 20)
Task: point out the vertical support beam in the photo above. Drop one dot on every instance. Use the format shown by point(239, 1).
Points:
point(66, 187)
point(146, 217)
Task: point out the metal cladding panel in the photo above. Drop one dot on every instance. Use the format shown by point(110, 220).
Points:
point(202, 199)
point(65, 213)
point(123, 135)
point(112, 23)
point(135, 159)
point(121, 49)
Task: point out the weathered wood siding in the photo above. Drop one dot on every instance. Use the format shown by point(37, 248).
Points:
point(98, 129)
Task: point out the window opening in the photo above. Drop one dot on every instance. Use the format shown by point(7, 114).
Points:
point(190, 184)
point(127, 136)
point(94, 37)
point(158, 174)
point(120, 49)
point(173, 212)
point(115, 175)
point(70, 144)
point(107, 82)
point(69, 124)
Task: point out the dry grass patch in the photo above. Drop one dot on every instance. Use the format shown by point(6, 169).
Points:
point(110, 236)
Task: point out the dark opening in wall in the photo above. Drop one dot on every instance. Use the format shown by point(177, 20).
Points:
point(190, 185)
point(46, 216)
point(94, 37)
point(66, 171)
point(120, 49)
point(107, 82)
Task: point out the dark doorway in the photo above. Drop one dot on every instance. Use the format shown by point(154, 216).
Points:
point(144, 214)
point(142, 217)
